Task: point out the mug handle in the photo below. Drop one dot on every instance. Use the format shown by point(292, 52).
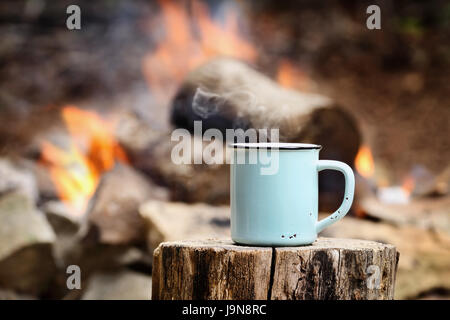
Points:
point(348, 194)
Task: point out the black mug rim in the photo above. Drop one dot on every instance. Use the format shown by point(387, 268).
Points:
point(274, 145)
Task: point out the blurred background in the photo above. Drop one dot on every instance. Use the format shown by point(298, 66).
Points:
point(86, 115)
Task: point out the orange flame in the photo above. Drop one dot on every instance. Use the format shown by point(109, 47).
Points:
point(364, 162)
point(92, 151)
point(182, 49)
point(290, 76)
point(408, 185)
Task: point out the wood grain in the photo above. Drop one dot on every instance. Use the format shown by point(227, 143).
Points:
point(337, 269)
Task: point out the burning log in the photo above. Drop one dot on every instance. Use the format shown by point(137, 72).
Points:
point(113, 216)
point(193, 222)
point(228, 94)
point(327, 269)
point(26, 239)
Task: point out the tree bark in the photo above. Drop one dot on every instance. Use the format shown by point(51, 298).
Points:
point(337, 269)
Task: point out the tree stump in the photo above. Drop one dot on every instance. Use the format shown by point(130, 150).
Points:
point(328, 269)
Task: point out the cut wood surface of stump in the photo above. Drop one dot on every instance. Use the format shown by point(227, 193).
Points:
point(327, 269)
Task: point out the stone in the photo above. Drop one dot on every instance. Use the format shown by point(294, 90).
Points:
point(26, 241)
point(228, 94)
point(112, 216)
point(17, 178)
point(124, 285)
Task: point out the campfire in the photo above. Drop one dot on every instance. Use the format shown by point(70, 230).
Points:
point(86, 146)
point(188, 40)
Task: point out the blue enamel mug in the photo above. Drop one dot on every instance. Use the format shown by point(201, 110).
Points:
point(274, 193)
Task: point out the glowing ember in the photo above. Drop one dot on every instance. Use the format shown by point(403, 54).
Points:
point(364, 162)
point(408, 185)
point(191, 38)
point(290, 76)
point(92, 151)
